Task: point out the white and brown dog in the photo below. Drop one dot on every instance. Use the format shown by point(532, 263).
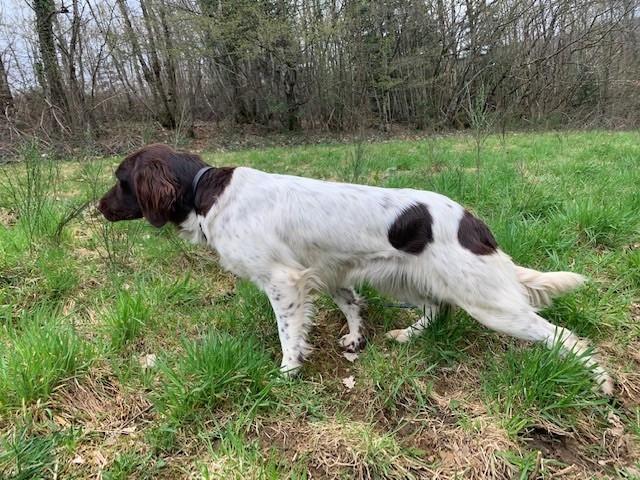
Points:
point(293, 235)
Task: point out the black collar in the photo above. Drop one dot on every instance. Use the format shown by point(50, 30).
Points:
point(196, 179)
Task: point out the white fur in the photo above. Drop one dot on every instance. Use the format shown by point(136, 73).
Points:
point(293, 235)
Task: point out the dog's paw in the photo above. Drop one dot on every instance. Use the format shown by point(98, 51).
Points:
point(606, 386)
point(352, 343)
point(604, 381)
point(400, 336)
point(290, 370)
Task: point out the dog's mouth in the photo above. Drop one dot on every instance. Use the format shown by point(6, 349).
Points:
point(117, 215)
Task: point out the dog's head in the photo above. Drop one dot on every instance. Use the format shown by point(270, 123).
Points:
point(154, 183)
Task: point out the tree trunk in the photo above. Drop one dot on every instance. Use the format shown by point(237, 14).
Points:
point(293, 118)
point(151, 74)
point(6, 99)
point(54, 91)
point(78, 114)
point(166, 114)
point(181, 111)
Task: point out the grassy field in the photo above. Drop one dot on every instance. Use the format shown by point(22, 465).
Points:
point(127, 353)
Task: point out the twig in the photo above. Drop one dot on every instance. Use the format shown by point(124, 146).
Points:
point(70, 216)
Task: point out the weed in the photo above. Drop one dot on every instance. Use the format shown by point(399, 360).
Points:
point(357, 166)
point(113, 242)
point(527, 465)
point(481, 122)
point(39, 353)
point(606, 223)
point(446, 339)
point(217, 371)
point(28, 451)
point(57, 272)
point(26, 455)
point(128, 320)
point(400, 380)
point(32, 193)
point(526, 384)
point(359, 162)
point(249, 311)
point(236, 456)
point(132, 465)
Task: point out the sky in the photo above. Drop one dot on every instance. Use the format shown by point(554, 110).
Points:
point(16, 35)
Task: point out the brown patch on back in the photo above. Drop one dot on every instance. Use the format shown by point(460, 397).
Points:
point(412, 230)
point(475, 236)
point(210, 187)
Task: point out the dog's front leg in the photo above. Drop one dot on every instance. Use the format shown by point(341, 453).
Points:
point(289, 299)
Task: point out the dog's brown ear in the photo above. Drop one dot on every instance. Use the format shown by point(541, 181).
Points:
point(156, 188)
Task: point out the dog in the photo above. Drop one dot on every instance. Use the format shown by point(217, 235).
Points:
point(292, 236)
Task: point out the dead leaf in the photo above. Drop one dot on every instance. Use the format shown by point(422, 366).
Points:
point(61, 421)
point(617, 429)
point(147, 361)
point(349, 382)
point(350, 356)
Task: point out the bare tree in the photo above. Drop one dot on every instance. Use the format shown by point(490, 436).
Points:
point(6, 98)
point(50, 69)
point(331, 64)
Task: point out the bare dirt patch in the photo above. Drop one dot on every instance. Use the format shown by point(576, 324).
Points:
point(99, 404)
point(426, 447)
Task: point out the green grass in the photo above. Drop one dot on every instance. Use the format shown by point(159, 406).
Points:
point(127, 353)
point(216, 371)
point(40, 351)
point(127, 321)
point(525, 387)
point(398, 381)
point(24, 455)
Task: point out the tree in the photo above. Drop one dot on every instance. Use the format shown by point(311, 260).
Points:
point(330, 64)
point(52, 82)
point(6, 98)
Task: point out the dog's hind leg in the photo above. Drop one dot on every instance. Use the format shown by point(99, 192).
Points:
point(351, 305)
point(402, 335)
point(525, 324)
point(289, 296)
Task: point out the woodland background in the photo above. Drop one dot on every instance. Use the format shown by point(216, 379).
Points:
point(76, 71)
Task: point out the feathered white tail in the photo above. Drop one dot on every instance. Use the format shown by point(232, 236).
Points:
point(543, 286)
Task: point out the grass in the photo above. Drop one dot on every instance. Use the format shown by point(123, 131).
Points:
point(527, 388)
point(126, 353)
point(127, 321)
point(215, 371)
point(40, 352)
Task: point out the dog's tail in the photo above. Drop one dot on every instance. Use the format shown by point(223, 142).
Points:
point(541, 287)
